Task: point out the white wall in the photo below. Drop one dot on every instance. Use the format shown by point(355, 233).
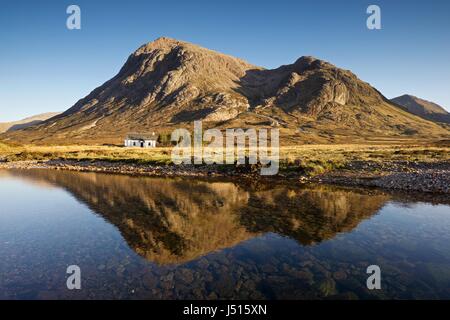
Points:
point(147, 143)
point(150, 143)
point(129, 143)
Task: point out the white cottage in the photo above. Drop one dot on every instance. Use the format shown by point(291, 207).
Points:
point(141, 140)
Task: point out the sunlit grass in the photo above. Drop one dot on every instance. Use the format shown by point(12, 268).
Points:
point(309, 159)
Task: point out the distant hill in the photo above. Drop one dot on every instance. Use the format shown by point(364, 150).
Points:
point(27, 122)
point(168, 84)
point(423, 108)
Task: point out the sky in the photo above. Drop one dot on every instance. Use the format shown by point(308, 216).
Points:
point(46, 67)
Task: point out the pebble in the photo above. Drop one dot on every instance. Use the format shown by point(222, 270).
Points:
point(399, 175)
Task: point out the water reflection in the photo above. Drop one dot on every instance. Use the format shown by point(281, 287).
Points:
point(170, 221)
point(154, 238)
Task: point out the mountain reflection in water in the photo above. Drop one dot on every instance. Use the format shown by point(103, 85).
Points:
point(177, 220)
point(178, 238)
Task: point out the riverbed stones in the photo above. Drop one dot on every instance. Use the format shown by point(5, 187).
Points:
point(431, 177)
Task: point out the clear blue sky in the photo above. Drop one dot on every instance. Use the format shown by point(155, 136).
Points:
point(46, 67)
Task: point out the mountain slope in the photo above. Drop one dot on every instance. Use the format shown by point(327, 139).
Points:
point(423, 108)
point(27, 122)
point(167, 84)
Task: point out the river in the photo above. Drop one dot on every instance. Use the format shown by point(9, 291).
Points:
point(184, 238)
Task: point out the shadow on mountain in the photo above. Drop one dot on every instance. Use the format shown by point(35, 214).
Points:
point(169, 221)
point(185, 115)
point(24, 125)
point(283, 86)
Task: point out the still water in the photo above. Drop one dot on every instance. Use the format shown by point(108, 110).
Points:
point(155, 238)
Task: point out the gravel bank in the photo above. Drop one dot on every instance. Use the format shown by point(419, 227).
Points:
point(406, 176)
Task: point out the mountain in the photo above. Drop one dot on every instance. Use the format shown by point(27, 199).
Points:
point(423, 108)
point(27, 122)
point(167, 84)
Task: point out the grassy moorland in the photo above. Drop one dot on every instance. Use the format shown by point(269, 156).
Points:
point(310, 159)
point(85, 152)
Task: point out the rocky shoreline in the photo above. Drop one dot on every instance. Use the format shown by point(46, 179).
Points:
point(426, 177)
point(402, 175)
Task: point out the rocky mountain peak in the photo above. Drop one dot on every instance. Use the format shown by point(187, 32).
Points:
point(162, 43)
point(169, 83)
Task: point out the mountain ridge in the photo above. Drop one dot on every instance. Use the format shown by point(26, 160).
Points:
point(423, 108)
point(167, 84)
point(26, 122)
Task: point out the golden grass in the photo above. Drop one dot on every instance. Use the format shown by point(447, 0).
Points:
point(311, 159)
point(76, 152)
point(316, 159)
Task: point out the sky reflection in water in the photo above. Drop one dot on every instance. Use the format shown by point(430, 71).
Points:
point(152, 238)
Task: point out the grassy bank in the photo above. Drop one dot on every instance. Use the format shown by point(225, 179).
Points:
point(309, 159)
point(82, 153)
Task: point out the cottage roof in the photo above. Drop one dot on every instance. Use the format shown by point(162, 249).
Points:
point(142, 136)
